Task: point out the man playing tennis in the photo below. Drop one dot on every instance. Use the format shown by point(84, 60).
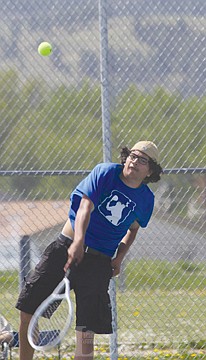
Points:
point(106, 210)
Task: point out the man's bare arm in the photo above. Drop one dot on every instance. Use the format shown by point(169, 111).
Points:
point(124, 246)
point(76, 250)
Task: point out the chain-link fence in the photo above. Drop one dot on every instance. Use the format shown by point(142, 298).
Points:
point(120, 71)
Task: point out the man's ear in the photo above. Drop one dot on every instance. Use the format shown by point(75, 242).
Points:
point(150, 173)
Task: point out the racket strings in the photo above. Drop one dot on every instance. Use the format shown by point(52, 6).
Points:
point(52, 319)
point(52, 322)
point(51, 309)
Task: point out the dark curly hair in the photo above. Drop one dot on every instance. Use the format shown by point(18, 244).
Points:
point(155, 168)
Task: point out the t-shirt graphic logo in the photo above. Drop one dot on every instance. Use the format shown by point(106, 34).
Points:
point(116, 207)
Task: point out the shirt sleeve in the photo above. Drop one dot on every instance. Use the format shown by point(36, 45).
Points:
point(147, 210)
point(92, 185)
point(143, 223)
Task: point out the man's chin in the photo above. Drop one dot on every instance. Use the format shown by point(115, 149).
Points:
point(132, 169)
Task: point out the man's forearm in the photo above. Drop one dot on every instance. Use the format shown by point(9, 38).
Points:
point(76, 249)
point(125, 244)
point(123, 249)
point(82, 220)
point(81, 224)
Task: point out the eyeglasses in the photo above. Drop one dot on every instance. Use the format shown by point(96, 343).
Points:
point(142, 160)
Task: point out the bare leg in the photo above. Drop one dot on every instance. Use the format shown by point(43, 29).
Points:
point(84, 345)
point(26, 352)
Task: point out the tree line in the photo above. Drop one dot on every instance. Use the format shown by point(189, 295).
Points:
point(60, 128)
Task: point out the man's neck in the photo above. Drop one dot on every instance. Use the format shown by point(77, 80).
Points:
point(130, 182)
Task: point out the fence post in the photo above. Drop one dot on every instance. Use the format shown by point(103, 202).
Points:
point(105, 98)
point(25, 258)
point(113, 336)
point(106, 137)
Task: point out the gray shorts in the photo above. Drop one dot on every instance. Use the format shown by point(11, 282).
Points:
point(89, 280)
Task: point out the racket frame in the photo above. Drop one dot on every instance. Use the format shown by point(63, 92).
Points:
point(55, 295)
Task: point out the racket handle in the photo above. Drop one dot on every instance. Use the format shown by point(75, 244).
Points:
point(67, 272)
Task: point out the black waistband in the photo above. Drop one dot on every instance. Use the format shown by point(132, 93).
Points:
point(67, 239)
point(87, 249)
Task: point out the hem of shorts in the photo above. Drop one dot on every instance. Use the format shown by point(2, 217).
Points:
point(27, 311)
point(98, 332)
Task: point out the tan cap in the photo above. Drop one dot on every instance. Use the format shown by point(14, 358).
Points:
point(148, 148)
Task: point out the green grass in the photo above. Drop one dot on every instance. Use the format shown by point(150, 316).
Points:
point(162, 303)
point(164, 275)
point(161, 312)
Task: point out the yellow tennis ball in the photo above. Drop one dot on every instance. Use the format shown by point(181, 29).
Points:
point(45, 49)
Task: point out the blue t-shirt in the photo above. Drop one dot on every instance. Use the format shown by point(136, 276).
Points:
point(116, 206)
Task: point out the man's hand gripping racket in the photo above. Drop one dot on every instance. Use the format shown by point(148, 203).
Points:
point(52, 319)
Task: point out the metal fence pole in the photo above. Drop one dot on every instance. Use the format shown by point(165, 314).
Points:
point(106, 125)
point(25, 259)
point(106, 136)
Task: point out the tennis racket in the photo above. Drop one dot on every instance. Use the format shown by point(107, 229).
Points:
point(52, 319)
point(6, 337)
point(6, 332)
